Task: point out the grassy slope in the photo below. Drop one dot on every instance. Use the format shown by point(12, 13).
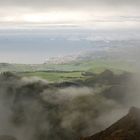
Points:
point(55, 76)
point(94, 66)
point(61, 72)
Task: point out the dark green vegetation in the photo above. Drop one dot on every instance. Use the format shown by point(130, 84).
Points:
point(38, 110)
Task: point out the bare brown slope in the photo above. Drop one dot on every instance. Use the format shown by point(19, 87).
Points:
point(127, 128)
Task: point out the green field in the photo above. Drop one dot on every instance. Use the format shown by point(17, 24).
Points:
point(54, 76)
point(92, 65)
point(69, 71)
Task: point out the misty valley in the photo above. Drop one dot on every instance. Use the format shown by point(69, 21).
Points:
point(72, 96)
point(69, 69)
point(35, 109)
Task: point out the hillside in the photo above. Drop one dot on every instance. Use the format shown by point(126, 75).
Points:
point(127, 128)
point(60, 110)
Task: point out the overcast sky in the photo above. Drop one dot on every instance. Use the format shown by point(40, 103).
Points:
point(19, 47)
point(70, 11)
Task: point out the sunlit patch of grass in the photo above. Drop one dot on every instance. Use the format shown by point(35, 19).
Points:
point(54, 76)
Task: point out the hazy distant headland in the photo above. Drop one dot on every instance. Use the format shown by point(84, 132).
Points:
point(36, 45)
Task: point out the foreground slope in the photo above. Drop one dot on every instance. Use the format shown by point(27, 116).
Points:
point(127, 128)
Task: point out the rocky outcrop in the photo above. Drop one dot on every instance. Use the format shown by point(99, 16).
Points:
point(127, 128)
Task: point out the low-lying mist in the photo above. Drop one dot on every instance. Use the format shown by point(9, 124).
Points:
point(33, 109)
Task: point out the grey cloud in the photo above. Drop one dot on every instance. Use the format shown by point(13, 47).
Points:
point(92, 8)
point(70, 3)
